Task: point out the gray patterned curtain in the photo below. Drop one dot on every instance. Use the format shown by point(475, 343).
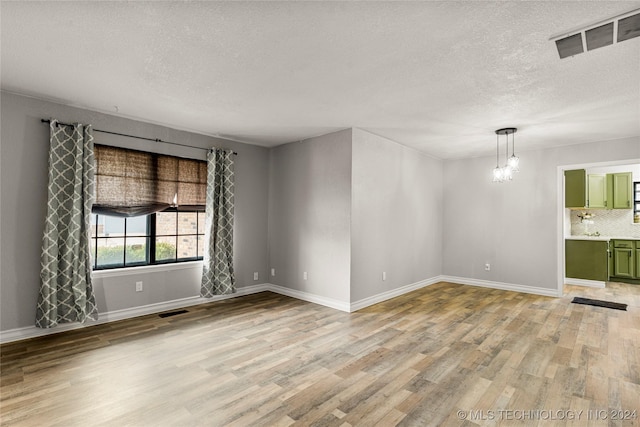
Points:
point(66, 292)
point(217, 272)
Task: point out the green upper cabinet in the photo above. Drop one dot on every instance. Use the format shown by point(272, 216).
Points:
point(575, 188)
point(621, 191)
point(597, 190)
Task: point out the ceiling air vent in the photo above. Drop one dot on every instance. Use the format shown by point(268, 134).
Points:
point(570, 46)
point(629, 28)
point(598, 34)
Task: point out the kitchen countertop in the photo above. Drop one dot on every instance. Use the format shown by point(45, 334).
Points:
point(600, 238)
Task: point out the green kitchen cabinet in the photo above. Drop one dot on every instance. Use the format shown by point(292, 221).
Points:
point(610, 256)
point(597, 190)
point(575, 188)
point(637, 259)
point(624, 259)
point(586, 259)
point(621, 184)
point(610, 191)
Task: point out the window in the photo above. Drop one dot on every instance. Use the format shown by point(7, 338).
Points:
point(636, 200)
point(149, 208)
point(159, 238)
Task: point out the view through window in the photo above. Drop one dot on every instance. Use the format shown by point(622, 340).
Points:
point(162, 237)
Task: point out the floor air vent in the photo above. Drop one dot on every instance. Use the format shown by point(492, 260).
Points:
point(172, 313)
point(600, 34)
point(598, 303)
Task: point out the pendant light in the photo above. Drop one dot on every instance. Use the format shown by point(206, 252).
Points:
point(505, 173)
point(497, 172)
point(514, 161)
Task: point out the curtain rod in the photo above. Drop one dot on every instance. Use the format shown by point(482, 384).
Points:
point(136, 137)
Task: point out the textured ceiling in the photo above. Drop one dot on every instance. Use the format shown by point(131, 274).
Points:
point(436, 76)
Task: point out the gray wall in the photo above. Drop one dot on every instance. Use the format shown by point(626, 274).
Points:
point(344, 207)
point(309, 215)
point(513, 226)
point(23, 176)
point(396, 217)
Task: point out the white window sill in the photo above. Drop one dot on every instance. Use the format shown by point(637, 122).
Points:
point(131, 271)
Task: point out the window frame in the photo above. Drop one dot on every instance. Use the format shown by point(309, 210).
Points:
point(636, 198)
point(151, 239)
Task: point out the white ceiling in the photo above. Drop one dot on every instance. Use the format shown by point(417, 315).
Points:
point(436, 76)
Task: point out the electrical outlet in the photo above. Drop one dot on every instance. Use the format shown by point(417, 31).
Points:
point(384, 275)
point(305, 276)
point(138, 286)
point(273, 271)
point(487, 267)
point(255, 275)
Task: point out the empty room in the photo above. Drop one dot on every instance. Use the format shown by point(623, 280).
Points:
point(345, 213)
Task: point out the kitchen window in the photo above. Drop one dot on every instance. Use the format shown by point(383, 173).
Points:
point(636, 202)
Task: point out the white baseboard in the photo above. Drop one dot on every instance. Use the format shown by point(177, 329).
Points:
point(501, 285)
point(32, 331)
point(306, 296)
point(375, 299)
point(351, 307)
point(127, 313)
point(584, 282)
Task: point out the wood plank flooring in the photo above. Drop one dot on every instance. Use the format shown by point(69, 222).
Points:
point(447, 354)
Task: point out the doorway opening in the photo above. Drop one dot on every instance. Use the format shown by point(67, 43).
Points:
point(565, 215)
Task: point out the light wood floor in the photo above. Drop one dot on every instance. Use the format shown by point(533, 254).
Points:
point(270, 360)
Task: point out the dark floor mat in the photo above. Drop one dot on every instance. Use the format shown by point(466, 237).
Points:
point(599, 303)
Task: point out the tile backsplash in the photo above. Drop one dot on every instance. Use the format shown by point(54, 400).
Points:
point(612, 222)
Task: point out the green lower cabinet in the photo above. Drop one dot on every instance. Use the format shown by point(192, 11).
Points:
point(625, 257)
point(617, 260)
point(610, 254)
point(586, 259)
point(624, 263)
